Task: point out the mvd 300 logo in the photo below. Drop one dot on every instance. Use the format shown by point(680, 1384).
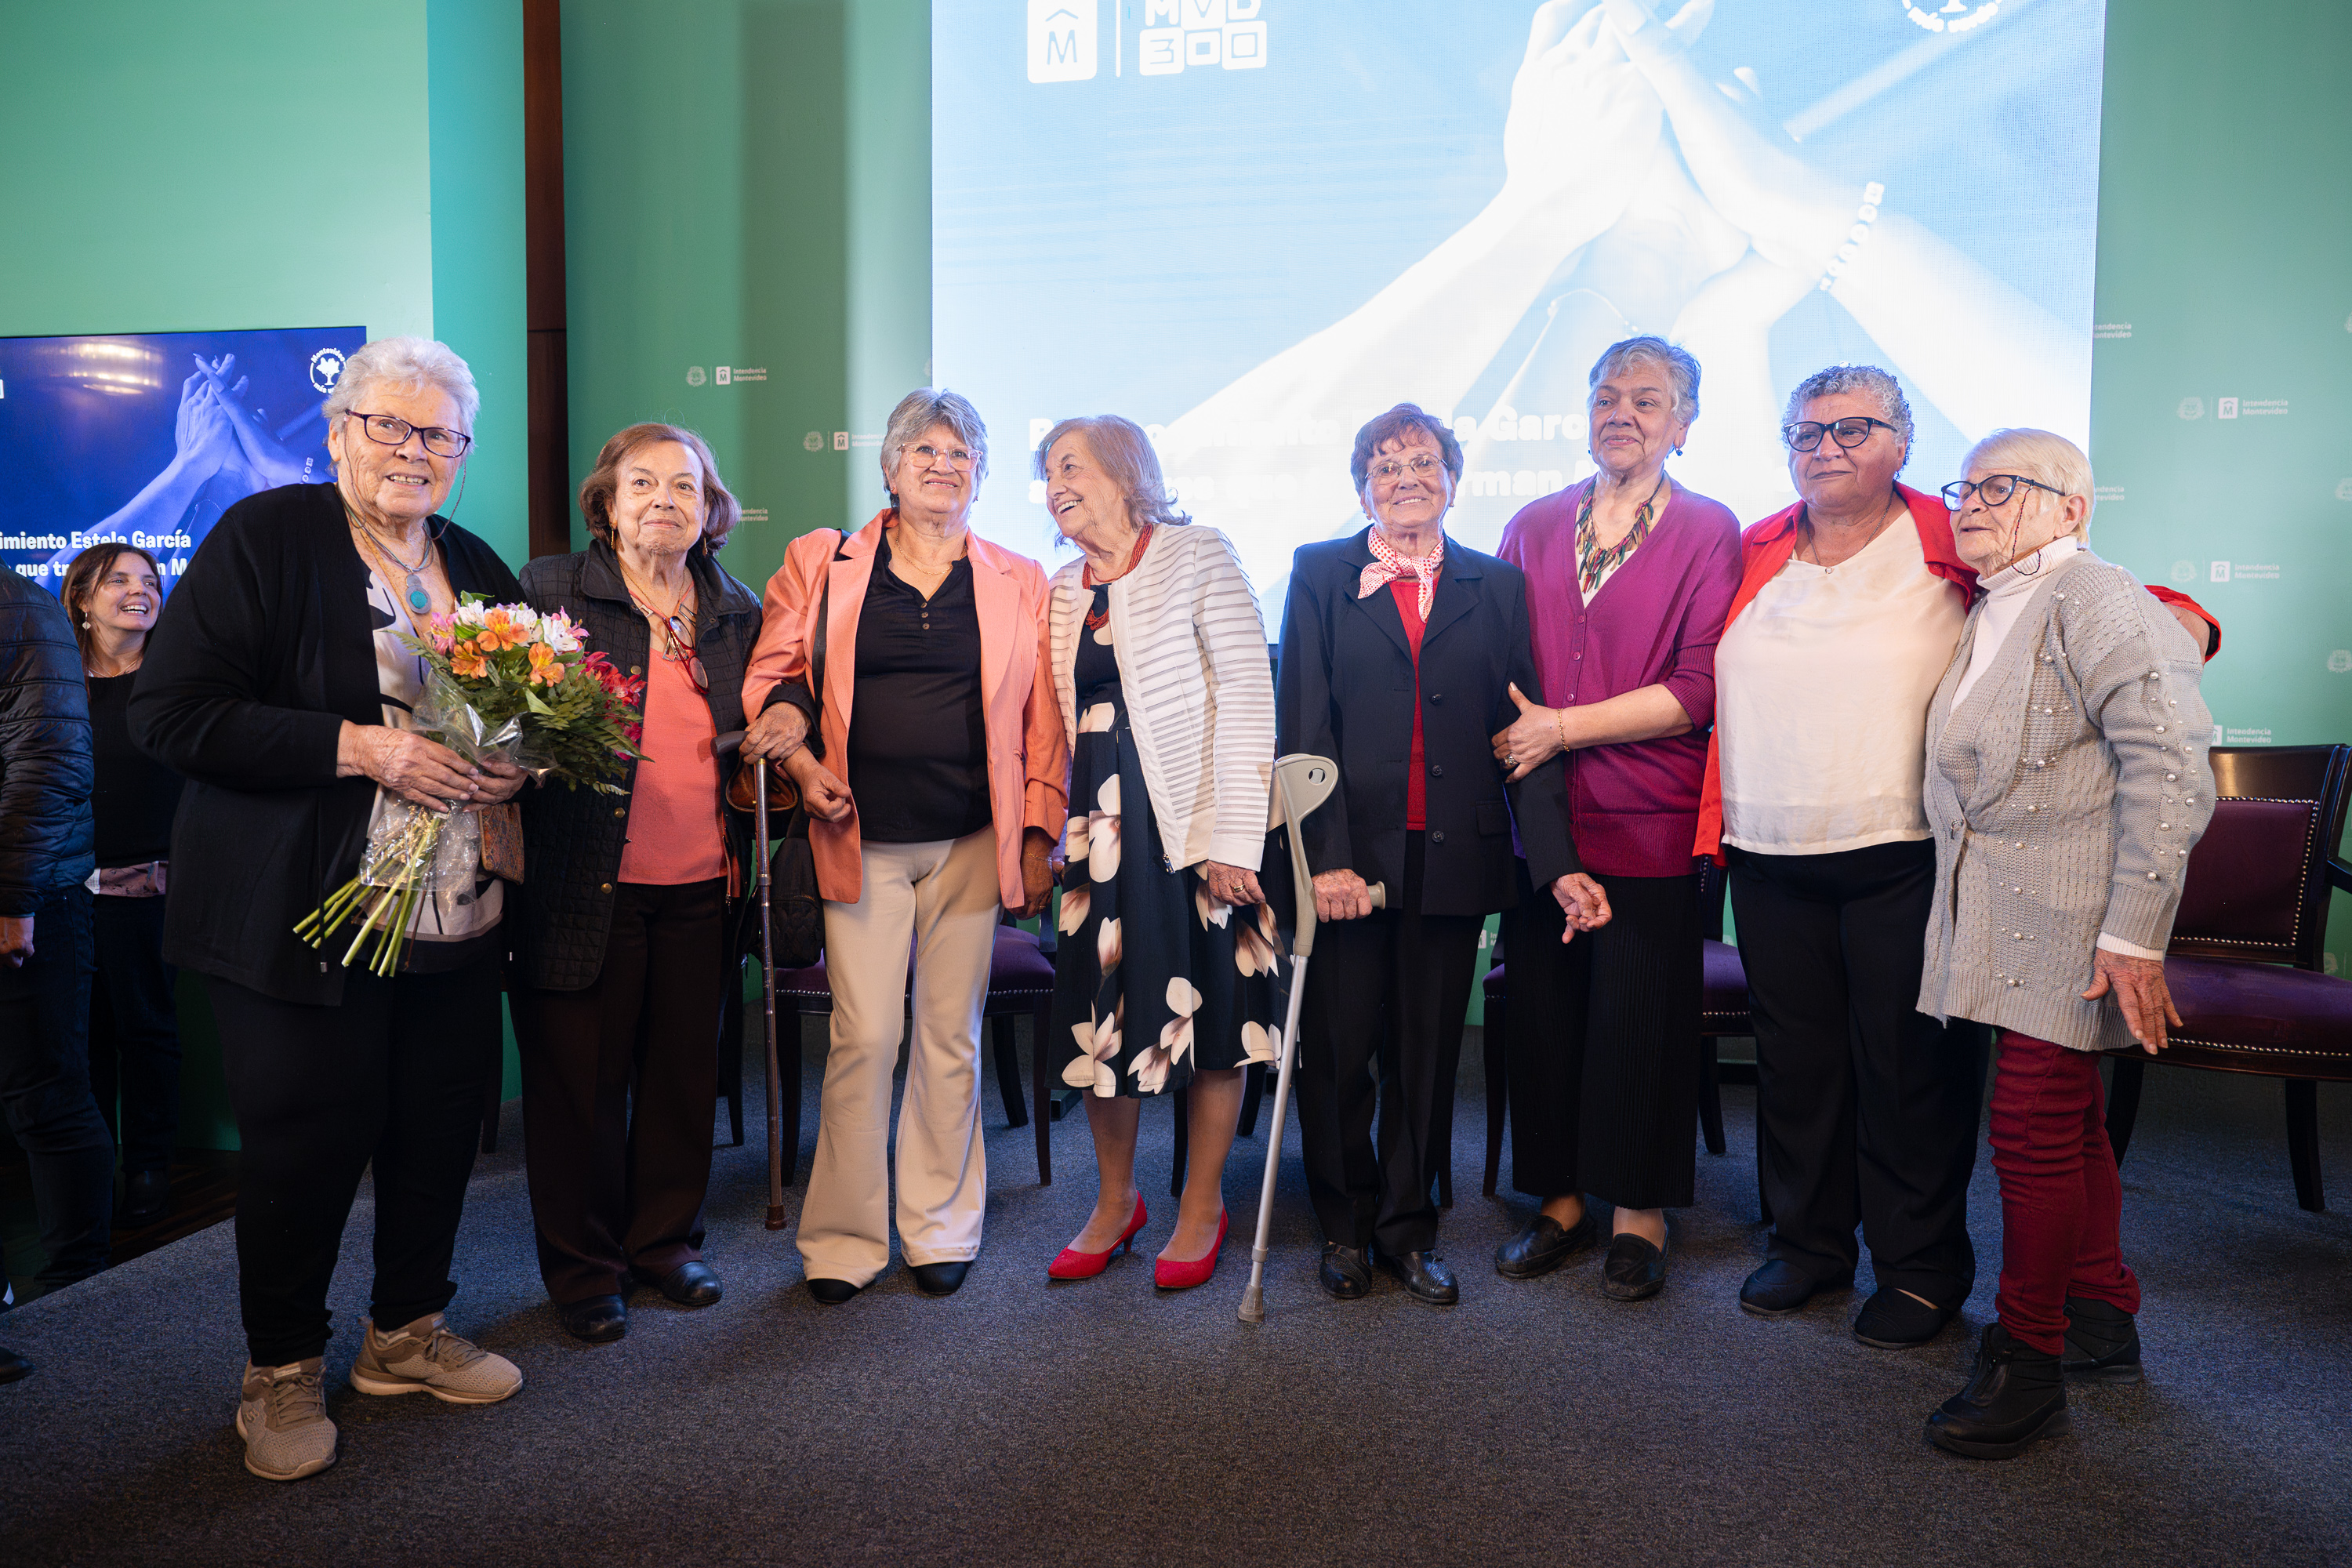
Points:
point(1066, 37)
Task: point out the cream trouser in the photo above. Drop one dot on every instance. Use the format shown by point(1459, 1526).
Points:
point(941, 896)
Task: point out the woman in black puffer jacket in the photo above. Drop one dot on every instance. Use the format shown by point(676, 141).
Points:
point(624, 946)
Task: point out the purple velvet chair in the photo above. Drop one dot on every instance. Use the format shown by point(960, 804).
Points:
point(2246, 963)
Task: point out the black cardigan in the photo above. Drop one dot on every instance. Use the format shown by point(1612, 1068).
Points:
point(45, 750)
point(1344, 690)
point(573, 838)
point(261, 654)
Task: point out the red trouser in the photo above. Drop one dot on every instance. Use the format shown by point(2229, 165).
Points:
point(2061, 1204)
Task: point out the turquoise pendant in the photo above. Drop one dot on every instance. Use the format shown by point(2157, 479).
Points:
point(418, 599)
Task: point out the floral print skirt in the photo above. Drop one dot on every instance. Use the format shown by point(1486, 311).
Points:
point(1155, 980)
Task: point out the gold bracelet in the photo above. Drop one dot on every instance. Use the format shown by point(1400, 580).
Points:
point(1560, 717)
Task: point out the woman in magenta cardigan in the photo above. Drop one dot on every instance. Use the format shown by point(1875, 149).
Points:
point(1629, 578)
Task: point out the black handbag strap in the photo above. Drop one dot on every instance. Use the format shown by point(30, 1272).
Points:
point(815, 740)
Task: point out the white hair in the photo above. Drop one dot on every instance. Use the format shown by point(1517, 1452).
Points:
point(1873, 382)
point(410, 364)
point(917, 412)
point(1679, 363)
point(2039, 455)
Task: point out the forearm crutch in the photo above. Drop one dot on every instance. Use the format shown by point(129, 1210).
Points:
point(1301, 782)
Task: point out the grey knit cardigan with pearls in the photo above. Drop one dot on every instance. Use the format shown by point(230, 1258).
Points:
point(2065, 795)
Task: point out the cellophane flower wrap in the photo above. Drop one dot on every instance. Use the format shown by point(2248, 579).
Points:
point(503, 683)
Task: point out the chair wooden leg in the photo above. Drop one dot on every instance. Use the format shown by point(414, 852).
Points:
point(1008, 1068)
point(1253, 1091)
point(730, 1053)
point(1040, 1094)
point(2303, 1142)
point(2122, 1101)
point(1710, 1096)
point(1499, 1090)
point(1183, 1140)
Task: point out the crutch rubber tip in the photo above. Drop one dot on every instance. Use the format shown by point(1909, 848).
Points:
point(775, 1216)
point(1254, 1305)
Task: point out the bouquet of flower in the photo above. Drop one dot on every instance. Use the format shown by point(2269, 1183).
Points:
point(503, 683)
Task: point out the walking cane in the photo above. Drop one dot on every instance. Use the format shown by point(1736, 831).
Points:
point(1301, 782)
point(733, 742)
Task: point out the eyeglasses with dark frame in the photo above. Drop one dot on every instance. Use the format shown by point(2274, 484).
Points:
point(390, 430)
point(1849, 432)
point(1994, 487)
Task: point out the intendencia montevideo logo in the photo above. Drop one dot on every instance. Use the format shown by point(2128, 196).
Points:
point(1066, 37)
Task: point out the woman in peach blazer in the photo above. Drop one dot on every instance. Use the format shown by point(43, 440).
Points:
point(936, 788)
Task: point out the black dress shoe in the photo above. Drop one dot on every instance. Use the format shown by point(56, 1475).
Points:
point(1891, 1320)
point(1343, 1273)
point(1634, 1268)
point(148, 1193)
point(694, 1284)
point(2017, 1397)
point(833, 1292)
point(1423, 1275)
point(1544, 1245)
point(1781, 1287)
point(599, 1320)
point(2101, 1343)
point(11, 1365)
point(941, 1278)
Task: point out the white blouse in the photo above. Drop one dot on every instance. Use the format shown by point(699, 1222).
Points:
point(1821, 690)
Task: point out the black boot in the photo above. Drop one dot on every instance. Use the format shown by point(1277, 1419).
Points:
point(2101, 1343)
point(2016, 1398)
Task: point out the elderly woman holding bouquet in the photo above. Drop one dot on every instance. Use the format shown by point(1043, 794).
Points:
point(624, 949)
point(935, 706)
point(278, 684)
point(1165, 977)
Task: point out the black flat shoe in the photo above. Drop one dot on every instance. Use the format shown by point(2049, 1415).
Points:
point(11, 1365)
point(1544, 1245)
point(941, 1278)
point(1891, 1320)
point(1634, 1268)
point(2017, 1397)
point(598, 1320)
point(694, 1284)
point(1343, 1273)
point(1781, 1287)
point(2101, 1343)
point(147, 1195)
point(833, 1292)
point(1423, 1275)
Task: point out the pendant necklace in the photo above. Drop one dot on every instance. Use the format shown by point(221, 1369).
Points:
point(418, 599)
point(678, 641)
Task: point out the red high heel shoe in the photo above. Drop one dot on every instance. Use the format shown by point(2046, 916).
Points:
point(1075, 1264)
point(1184, 1276)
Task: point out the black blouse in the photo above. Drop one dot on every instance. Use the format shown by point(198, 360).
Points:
point(135, 795)
point(918, 735)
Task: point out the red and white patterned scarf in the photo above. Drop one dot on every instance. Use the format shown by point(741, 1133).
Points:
point(1388, 566)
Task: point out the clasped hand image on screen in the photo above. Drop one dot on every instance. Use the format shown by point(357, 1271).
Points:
point(1464, 204)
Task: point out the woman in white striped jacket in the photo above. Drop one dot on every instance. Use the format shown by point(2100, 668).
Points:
point(1165, 976)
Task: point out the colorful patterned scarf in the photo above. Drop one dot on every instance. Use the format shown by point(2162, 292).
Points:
point(1388, 566)
point(1592, 562)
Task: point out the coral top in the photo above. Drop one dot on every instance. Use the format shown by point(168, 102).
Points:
point(675, 833)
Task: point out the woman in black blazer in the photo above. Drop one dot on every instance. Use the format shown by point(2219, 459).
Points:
point(1403, 654)
point(275, 683)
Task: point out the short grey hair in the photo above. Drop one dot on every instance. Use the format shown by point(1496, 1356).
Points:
point(410, 364)
point(1878, 385)
point(2040, 455)
point(917, 412)
point(1680, 364)
point(1126, 454)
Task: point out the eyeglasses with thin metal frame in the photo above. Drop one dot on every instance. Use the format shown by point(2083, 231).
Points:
point(389, 430)
point(927, 454)
point(1994, 487)
point(1425, 466)
point(1849, 432)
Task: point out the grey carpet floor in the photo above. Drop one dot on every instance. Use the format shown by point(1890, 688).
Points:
point(1092, 1423)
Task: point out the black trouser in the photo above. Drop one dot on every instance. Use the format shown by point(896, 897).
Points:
point(393, 1078)
point(1601, 1039)
point(1865, 1107)
point(45, 1090)
point(1392, 989)
point(618, 1083)
point(134, 1032)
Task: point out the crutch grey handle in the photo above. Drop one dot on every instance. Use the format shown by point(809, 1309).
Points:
point(1379, 893)
point(728, 744)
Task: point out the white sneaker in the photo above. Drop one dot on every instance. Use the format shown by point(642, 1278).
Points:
point(427, 1357)
point(282, 1416)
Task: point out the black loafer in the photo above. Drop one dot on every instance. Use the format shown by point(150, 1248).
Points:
point(694, 1284)
point(2016, 1398)
point(598, 1320)
point(2101, 1343)
point(1891, 1320)
point(1544, 1245)
point(941, 1278)
point(146, 1196)
point(11, 1365)
point(1343, 1273)
point(833, 1292)
point(1634, 1268)
point(1423, 1275)
point(1781, 1287)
